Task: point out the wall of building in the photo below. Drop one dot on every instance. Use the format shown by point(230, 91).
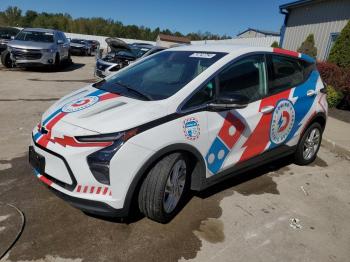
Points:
point(321, 18)
point(258, 41)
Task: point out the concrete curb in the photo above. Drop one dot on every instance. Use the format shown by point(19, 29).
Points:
point(336, 148)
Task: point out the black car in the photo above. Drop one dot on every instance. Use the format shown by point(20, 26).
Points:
point(80, 47)
point(94, 44)
point(6, 34)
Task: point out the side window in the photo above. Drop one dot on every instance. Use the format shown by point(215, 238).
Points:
point(203, 96)
point(246, 77)
point(285, 73)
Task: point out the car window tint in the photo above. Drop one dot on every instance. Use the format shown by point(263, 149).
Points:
point(203, 96)
point(246, 77)
point(286, 73)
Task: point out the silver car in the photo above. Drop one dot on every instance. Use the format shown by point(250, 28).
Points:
point(39, 47)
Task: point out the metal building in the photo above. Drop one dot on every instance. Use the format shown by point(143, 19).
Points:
point(323, 18)
point(253, 33)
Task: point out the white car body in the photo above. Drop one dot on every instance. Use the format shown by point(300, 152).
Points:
point(220, 140)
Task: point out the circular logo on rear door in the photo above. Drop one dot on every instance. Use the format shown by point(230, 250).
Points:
point(80, 104)
point(282, 121)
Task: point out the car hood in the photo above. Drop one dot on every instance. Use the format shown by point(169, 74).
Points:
point(102, 112)
point(30, 44)
point(116, 44)
point(76, 45)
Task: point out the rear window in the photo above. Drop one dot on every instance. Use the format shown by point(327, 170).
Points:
point(285, 73)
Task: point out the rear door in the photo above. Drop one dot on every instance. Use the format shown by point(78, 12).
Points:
point(294, 81)
point(233, 134)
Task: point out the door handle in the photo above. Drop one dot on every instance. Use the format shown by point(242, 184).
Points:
point(311, 92)
point(267, 109)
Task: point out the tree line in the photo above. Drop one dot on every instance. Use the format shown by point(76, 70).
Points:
point(13, 16)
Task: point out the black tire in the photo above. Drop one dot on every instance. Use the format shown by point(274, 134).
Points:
point(57, 61)
point(152, 193)
point(299, 157)
point(6, 59)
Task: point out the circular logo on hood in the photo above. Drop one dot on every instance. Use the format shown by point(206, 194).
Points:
point(282, 121)
point(80, 104)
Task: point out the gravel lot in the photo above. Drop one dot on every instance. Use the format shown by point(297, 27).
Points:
point(248, 218)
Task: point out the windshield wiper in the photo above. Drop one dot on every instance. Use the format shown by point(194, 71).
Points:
point(130, 89)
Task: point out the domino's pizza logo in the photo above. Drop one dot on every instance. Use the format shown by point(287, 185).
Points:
point(282, 121)
point(80, 104)
point(191, 128)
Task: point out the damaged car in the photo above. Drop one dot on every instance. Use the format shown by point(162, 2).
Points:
point(80, 47)
point(120, 55)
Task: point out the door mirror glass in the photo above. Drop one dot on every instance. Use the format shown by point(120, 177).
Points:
point(227, 101)
point(12, 37)
point(59, 41)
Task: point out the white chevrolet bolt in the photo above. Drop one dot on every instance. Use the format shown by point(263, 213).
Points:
point(180, 120)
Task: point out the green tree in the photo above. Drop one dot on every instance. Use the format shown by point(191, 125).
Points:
point(308, 46)
point(12, 16)
point(340, 52)
point(275, 44)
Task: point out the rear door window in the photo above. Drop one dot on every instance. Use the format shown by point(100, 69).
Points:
point(284, 73)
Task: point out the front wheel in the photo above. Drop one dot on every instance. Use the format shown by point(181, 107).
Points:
point(165, 188)
point(6, 59)
point(309, 145)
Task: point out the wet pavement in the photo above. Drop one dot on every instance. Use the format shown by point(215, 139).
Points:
point(247, 218)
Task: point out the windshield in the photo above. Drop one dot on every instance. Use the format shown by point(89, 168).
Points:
point(35, 36)
point(162, 75)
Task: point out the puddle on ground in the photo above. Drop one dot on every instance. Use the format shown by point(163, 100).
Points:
point(54, 227)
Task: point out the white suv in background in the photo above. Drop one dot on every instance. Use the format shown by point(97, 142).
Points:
point(39, 47)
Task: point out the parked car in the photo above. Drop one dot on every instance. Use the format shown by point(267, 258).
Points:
point(6, 35)
point(95, 45)
point(39, 47)
point(80, 47)
point(183, 119)
point(120, 56)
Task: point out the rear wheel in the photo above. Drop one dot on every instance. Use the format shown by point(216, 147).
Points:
point(6, 59)
point(165, 188)
point(309, 145)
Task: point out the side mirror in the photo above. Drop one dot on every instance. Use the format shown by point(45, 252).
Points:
point(227, 101)
point(60, 42)
point(12, 37)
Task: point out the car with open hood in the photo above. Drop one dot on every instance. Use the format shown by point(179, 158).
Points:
point(183, 119)
point(120, 55)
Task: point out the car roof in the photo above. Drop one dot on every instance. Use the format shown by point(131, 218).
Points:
point(219, 48)
point(44, 30)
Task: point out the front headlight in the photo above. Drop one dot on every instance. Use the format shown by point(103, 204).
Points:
point(99, 161)
point(49, 50)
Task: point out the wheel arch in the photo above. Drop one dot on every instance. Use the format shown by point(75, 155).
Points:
point(320, 118)
point(197, 177)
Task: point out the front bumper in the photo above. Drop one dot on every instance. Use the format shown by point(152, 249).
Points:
point(91, 199)
point(33, 59)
